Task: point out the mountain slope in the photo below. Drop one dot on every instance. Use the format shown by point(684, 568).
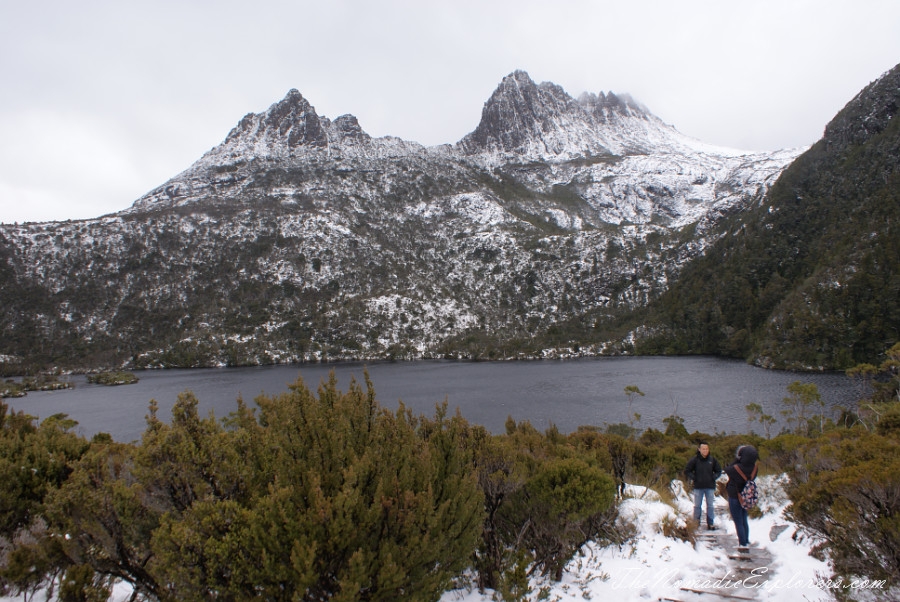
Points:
point(810, 278)
point(304, 238)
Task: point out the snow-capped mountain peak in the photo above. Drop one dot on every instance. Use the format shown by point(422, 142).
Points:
point(526, 122)
point(291, 122)
point(530, 120)
point(290, 127)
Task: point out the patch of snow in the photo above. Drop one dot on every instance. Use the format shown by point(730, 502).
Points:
point(475, 207)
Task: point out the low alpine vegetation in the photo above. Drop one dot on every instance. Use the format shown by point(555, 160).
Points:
point(113, 378)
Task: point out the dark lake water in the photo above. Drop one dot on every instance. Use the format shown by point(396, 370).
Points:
point(709, 393)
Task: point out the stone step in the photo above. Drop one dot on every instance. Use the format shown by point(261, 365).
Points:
point(716, 594)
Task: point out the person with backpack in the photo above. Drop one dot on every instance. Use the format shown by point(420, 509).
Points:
point(702, 470)
point(741, 488)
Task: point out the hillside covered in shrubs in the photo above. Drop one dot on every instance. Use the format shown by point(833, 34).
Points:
point(810, 277)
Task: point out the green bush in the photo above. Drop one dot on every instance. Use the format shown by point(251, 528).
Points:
point(844, 491)
point(546, 495)
point(563, 504)
point(33, 461)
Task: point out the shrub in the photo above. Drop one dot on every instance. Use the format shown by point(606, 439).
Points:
point(848, 496)
point(564, 505)
point(360, 503)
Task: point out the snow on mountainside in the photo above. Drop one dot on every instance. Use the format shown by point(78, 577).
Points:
point(300, 238)
point(625, 162)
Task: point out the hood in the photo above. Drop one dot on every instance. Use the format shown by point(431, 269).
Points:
point(747, 456)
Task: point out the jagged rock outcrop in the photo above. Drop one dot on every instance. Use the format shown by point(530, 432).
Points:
point(528, 120)
point(289, 124)
point(524, 121)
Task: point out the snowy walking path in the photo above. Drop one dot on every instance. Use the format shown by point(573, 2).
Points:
point(653, 567)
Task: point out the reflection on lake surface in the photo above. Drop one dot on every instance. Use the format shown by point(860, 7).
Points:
point(710, 394)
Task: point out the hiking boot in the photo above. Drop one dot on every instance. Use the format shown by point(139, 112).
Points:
point(711, 527)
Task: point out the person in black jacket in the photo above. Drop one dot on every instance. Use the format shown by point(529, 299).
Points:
point(745, 460)
point(702, 470)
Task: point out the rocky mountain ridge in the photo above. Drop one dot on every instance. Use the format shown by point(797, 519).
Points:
point(304, 238)
point(626, 163)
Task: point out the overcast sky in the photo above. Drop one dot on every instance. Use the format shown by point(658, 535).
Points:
point(102, 101)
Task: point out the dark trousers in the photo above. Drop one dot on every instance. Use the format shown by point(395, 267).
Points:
point(741, 524)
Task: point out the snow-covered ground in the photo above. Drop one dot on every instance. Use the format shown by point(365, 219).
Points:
point(655, 567)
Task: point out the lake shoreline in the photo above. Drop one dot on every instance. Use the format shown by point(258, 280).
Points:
point(377, 360)
point(709, 393)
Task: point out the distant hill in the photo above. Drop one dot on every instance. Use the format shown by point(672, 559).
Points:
point(810, 278)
